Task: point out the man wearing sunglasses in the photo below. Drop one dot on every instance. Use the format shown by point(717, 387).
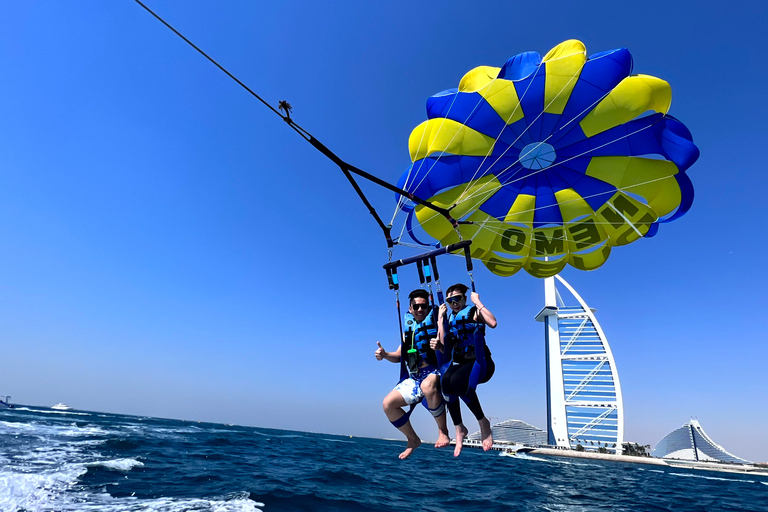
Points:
point(419, 374)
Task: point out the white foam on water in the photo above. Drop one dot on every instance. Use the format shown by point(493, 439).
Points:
point(37, 429)
point(106, 503)
point(46, 460)
point(39, 490)
point(336, 440)
point(122, 465)
point(705, 477)
point(46, 493)
point(531, 457)
point(50, 411)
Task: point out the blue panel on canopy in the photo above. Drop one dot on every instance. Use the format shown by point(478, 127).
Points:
point(474, 111)
point(572, 134)
point(579, 148)
point(513, 134)
point(599, 75)
point(531, 95)
point(677, 143)
point(499, 204)
point(438, 104)
point(547, 211)
point(520, 66)
point(595, 192)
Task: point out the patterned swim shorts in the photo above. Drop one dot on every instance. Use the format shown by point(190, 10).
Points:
point(410, 388)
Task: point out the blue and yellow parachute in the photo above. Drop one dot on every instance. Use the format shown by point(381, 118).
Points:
point(553, 160)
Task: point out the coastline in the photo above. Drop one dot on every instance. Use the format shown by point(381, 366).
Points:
point(671, 463)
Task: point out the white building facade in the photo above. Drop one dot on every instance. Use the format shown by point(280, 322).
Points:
point(584, 403)
point(690, 442)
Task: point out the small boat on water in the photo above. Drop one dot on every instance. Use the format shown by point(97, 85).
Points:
point(5, 402)
point(61, 407)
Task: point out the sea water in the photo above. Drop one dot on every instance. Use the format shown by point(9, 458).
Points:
point(84, 461)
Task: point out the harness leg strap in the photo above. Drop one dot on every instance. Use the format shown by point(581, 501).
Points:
point(437, 411)
point(402, 420)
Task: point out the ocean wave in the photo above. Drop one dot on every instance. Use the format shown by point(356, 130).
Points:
point(47, 494)
point(707, 477)
point(52, 411)
point(122, 465)
point(36, 491)
point(65, 430)
point(525, 456)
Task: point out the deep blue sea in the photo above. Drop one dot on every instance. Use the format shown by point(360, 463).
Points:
point(83, 461)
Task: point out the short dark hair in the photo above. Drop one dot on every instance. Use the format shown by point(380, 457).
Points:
point(418, 294)
point(462, 288)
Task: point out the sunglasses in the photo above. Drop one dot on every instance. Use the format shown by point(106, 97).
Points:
point(453, 299)
point(417, 307)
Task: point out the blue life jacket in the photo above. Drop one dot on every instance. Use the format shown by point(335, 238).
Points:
point(465, 344)
point(467, 336)
point(417, 336)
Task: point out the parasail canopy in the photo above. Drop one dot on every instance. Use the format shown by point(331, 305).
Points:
point(553, 160)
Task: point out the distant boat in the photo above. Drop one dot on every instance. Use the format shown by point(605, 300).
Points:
point(5, 402)
point(61, 407)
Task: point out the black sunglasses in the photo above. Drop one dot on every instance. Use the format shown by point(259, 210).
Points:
point(454, 298)
point(417, 307)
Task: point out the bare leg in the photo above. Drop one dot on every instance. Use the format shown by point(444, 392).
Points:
point(461, 433)
point(432, 393)
point(442, 435)
point(485, 433)
point(393, 404)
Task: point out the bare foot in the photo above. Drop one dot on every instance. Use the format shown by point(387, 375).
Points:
point(442, 439)
point(412, 445)
point(461, 433)
point(486, 434)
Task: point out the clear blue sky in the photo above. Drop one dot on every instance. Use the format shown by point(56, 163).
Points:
point(170, 248)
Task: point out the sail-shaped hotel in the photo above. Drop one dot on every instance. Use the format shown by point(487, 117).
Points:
point(584, 404)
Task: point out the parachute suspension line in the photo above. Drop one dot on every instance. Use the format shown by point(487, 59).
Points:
point(421, 141)
point(511, 145)
point(585, 110)
point(438, 288)
point(477, 105)
point(530, 82)
point(394, 284)
point(498, 187)
point(506, 123)
point(470, 268)
point(500, 230)
point(442, 123)
point(437, 159)
point(505, 170)
point(400, 200)
point(346, 168)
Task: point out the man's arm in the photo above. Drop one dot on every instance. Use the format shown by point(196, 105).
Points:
point(392, 357)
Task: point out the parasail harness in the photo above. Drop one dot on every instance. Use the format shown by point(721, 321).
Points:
point(429, 276)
